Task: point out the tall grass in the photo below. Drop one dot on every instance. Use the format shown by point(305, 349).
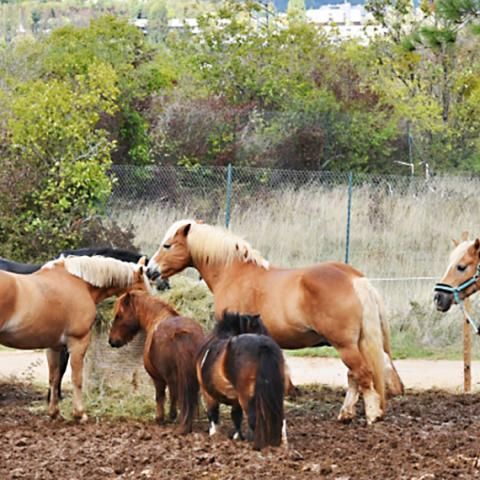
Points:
point(397, 232)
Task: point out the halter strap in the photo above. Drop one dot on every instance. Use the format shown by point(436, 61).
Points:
point(455, 291)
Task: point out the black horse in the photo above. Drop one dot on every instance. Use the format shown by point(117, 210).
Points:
point(242, 366)
point(27, 268)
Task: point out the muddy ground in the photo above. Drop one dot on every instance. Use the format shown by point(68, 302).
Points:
point(425, 436)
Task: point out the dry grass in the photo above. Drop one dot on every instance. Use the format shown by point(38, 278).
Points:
point(393, 235)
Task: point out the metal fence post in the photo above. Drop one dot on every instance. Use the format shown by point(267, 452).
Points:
point(228, 205)
point(349, 216)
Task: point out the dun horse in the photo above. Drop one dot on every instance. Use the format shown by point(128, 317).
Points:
point(462, 277)
point(56, 306)
point(325, 304)
point(169, 353)
point(241, 366)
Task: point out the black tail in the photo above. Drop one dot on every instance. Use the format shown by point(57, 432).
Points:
point(267, 402)
point(64, 356)
point(187, 383)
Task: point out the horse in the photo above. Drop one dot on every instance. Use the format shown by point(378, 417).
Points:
point(56, 307)
point(123, 255)
point(169, 353)
point(326, 304)
point(462, 277)
point(240, 365)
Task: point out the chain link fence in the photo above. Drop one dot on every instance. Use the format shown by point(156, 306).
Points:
point(400, 228)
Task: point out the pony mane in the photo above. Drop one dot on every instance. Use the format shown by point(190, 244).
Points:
point(217, 244)
point(237, 324)
point(98, 271)
point(155, 301)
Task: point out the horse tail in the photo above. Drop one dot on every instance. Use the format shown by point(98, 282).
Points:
point(187, 383)
point(266, 407)
point(371, 335)
point(64, 356)
point(392, 378)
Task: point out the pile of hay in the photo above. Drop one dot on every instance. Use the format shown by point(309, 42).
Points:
point(107, 367)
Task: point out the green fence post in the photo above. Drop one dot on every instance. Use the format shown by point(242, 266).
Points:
point(228, 205)
point(349, 217)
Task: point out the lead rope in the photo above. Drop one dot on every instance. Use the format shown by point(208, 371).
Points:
point(469, 318)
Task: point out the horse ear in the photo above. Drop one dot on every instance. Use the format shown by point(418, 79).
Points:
point(455, 243)
point(126, 299)
point(464, 236)
point(142, 261)
point(476, 245)
point(186, 229)
point(140, 270)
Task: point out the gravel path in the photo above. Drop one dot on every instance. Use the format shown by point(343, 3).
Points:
point(416, 374)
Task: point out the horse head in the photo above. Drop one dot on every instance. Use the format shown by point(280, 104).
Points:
point(125, 322)
point(462, 275)
point(173, 254)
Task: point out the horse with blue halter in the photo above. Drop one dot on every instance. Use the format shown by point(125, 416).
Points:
point(328, 303)
point(56, 307)
point(461, 279)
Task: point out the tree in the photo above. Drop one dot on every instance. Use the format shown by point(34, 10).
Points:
point(296, 10)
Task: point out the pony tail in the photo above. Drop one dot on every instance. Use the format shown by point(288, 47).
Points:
point(371, 343)
point(392, 378)
point(267, 403)
point(187, 383)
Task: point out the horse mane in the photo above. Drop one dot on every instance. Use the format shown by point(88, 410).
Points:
point(216, 244)
point(98, 271)
point(154, 302)
point(119, 254)
point(237, 324)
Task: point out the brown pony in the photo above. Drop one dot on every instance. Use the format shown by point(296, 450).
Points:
point(462, 277)
point(169, 353)
point(56, 306)
point(241, 366)
point(325, 304)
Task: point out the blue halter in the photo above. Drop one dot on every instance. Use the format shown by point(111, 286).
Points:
point(455, 291)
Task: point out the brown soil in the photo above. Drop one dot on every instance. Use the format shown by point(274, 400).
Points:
point(425, 435)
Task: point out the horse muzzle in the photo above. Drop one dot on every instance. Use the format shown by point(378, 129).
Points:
point(443, 300)
point(115, 343)
point(152, 273)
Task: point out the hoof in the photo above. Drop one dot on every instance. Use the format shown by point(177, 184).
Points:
point(54, 413)
point(346, 417)
point(237, 435)
point(80, 417)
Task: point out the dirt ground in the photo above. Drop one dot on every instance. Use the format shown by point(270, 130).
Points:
point(428, 435)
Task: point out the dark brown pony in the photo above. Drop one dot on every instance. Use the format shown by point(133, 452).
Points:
point(56, 307)
point(241, 366)
point(325, 304)
point(169, 353)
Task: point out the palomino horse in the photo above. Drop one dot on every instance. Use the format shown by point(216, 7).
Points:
point(329, 303)
point(169, 352)
point(462, 277)
point(56, 306)
point(123, 255)
point(241, 366)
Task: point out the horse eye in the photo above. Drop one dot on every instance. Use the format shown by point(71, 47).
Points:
point(461, 268)
point(166, 246)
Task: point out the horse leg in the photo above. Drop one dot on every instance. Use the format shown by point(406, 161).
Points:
point(77, 348)
point(173, 389)
point(348, 411)
point(160, 386)
point(53, 359)
point(237, 415)
point(361, 378)
point(213, 412)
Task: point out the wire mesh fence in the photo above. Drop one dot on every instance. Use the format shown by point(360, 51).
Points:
point(400, 227)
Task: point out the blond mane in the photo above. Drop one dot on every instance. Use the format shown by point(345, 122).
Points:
point(217, 244)
point(98, 271)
